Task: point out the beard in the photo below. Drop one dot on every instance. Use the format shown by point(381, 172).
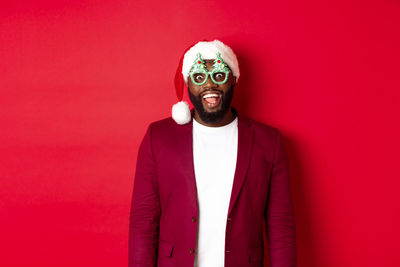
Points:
point(214, 116)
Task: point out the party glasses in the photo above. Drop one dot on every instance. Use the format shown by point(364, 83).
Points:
point(219, 73)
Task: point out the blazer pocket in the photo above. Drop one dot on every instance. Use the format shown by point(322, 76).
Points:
point(165, 248)
point(256, 254)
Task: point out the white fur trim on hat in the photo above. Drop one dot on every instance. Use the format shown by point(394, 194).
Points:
point(181, 112)
point(208, 50)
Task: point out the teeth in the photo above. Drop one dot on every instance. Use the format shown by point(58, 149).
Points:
point(210, 95)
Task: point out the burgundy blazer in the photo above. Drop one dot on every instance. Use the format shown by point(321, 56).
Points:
point(164, 211)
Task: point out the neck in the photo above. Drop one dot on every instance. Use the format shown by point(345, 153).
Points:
point(228, 118)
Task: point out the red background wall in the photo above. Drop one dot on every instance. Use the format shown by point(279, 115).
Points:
point(81, 80)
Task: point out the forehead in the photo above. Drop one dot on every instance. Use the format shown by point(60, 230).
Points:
point(209, 60)
point(209, 63)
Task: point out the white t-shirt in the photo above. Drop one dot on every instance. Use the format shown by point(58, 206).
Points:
point(214, 155)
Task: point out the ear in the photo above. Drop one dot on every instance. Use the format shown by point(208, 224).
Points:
point(234, 80)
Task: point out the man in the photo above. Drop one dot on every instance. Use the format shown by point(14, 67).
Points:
point(207, 178)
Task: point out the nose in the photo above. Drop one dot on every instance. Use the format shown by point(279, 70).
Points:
point(209, 83)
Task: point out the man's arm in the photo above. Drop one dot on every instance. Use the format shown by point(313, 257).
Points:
point(145, 209)
point(279, 214)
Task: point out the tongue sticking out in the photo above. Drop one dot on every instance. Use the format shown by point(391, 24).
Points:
point(211, 100)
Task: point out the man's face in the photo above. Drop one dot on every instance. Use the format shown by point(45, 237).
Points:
point(210, 100)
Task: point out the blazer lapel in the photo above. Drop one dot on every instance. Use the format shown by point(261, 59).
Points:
point(184, 138)
point(245, 148)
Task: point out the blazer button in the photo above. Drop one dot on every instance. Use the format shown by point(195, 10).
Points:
point(193, 219)
point(191, 250)
point(229, 219)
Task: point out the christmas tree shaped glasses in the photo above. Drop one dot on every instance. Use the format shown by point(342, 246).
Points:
point(219, 73)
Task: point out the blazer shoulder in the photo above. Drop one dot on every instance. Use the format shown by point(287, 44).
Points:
point(164, 129)
point(162, 124)
point(262, 129)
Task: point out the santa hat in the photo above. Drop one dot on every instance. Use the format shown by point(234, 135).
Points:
point(208, 50)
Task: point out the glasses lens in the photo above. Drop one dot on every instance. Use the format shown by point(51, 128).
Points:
point(219, 76)
point(198, 77)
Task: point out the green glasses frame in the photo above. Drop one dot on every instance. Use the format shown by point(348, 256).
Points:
point(199, 67)
point(209, 74)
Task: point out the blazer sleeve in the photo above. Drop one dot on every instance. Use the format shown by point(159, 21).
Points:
point(145, 209)
point(279, 213)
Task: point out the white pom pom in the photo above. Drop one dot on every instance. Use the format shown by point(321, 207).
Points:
point(181, 112)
